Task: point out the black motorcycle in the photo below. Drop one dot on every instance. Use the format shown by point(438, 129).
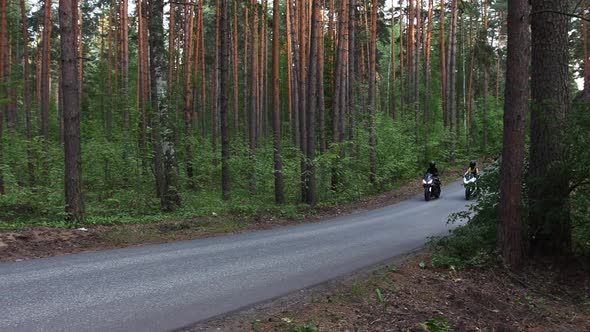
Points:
point(431, 185)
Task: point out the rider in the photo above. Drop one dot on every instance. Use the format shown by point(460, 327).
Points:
point(472, 168)
point(432, 169)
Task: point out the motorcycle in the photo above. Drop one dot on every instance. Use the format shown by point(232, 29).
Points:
point(431, 185)
point(470, 184)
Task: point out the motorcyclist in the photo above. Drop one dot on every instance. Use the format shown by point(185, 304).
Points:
point(432, 169)
point(472, 168)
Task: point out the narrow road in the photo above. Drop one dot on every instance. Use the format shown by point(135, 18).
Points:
point(168, 286)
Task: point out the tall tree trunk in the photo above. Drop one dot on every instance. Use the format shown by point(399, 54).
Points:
point(71, 111)
point(312, 94)
point(295, 68)
point(215, 84)
point(485, 83)
point(187, 53)
point(3, 80)
point(144, 82)
point(321, 96)
point(253, 93)
point(46, 72)
point(393, 64)
point(350, 78)
point(427, 69)
point(509, 237)
point(410, 45)
point(27, 94)
point(402, 64)
point(235, 71)
point(585, 52)
point(303, 95)
point(166, 178)
point(224, 85)
point(124, 19)
point(417, 64)
point(549, 219)
point(289, 67)
point(443, 66)
point(452, 80)
point(372, 94)
point(276, 119)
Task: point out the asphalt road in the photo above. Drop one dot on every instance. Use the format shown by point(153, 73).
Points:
point(168, 286)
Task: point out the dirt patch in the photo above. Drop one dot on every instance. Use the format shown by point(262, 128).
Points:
point(408, 297)
point(44, 241)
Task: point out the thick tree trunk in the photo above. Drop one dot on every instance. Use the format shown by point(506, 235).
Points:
point(372, 94)
point(427, 69)
point(3, 80)
point(27, 94)
point(235, 60)
point(350, 81)
point(187, 53)
point(295, 68)
point(393, 65)
point(71, 111)
point(124, 19)
point(452, 80)
point(550, 224)
point(443, 66)
point(215, 85)
point(165, 154)
point(46, 72)
point(585, 51)
point(321, 96)
point(485, 82)
point(223, 97)
point(312, 94)
point(276, 119)
point(509, 237)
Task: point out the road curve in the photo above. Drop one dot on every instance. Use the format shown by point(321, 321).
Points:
point(168, 286)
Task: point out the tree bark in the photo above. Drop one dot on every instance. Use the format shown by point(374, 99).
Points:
point(509, 236)
point(550, 224)
point(46, 72)
point(3, 80)
point(427, 69)
point(276, 120)
point(165, 153)
point(321, 96)
point(443, 66)
point(350, 78)
point(312, 94)
point(124, 19)
point(235, 71)
point(393, 64)
point(585, 51)
point(27, 94)
point(372, 94)
point(187, 53)
point(223, 98)
point(71, 111)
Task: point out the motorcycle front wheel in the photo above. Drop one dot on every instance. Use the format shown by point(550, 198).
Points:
point(467, 193)
point(427, 194)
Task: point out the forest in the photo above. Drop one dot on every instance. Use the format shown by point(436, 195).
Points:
point(117, 112)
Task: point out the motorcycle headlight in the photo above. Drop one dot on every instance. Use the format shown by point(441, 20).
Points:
point(423, 181)
point(429, 181)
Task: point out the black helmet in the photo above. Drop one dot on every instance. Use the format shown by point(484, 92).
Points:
point(472, 164)
point(432, 163)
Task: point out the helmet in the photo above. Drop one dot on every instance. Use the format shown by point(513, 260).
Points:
point(472, 164)
point(432, 163)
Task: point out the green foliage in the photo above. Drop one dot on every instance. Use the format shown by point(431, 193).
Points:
point(379, 295)
point(473, 243)
point(307, 327)
point(435, 325)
